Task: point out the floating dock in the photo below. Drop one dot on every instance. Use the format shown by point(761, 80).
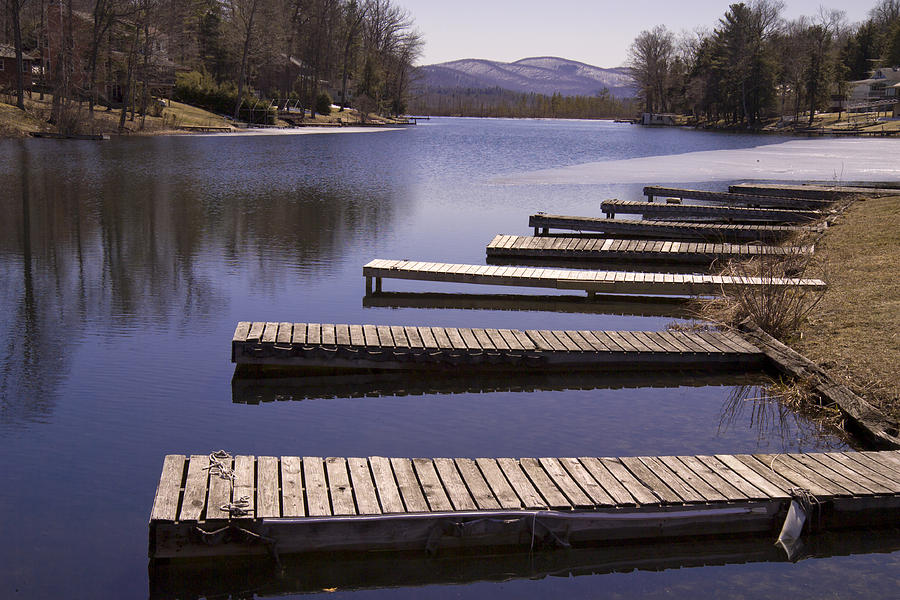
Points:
point(666, 230)
point(632, 250)
point(395, 347)
point(592, 282)
point(815, 192)
point(254, 505)
point(734, 199)
point(655, 210)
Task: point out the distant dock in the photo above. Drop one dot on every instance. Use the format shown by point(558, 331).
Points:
point(383, 347)
point(665, 230)
point(632, 250)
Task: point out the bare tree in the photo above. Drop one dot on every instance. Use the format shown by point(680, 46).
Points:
point(649, 58)
point(15, 9)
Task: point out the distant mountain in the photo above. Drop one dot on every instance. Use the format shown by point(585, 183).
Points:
point(542, 75)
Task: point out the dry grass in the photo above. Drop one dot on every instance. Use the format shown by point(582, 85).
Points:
point(854, 332)
point(15, 123)
point(778, 310)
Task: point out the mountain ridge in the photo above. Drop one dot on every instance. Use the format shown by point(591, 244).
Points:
point(539, 74)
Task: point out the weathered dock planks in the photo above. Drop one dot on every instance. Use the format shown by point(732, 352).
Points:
point(735, 199)
point(382, 347)
point(632, 250)
point(315, 504)
point(666, 230)
point(815, 192)
point(667, 211)
point(605, 282)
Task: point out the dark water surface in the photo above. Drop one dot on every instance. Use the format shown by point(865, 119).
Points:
point(125, 265)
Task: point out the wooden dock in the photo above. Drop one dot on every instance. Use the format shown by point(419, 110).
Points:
point(592, 282)
point(655, 210)
point(632, 250)
point(395, 347)
point(665, 230)
point(734, 199)
point(815, 192)
point(254, 505)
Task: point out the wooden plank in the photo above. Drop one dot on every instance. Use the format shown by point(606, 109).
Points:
point(370, 333)
point(357, 336)
point(726, 481)
point(408, 484)
point(313, 333)
point(766, 484)
point(483, 339)
point(500, 487)
point(292, 487)
point(195, 487)
point(243, 485)
point(329, 335)
point(342, 333)
point(858, 458)
point(478, 488)
point(672, 479)
point(398, 333)
point(431, 485)
point(697, 483)
point(469, 339)
point(298, 335)
point(339, 486)
point(388, 494)
point(267, 497)
point(241, 331)
point(456, 340)
point(168, 490)
point(428, 338)
point(412, 335)
point(594, 490)
point(385, 339)
point(544, 485)
point(219, 492)
point(454, 485)
point(566, 483)
point(856, 473)
point(256, 331)
point(363, 487)
point(283, 336)
point(790, 469)
point(316, 487)
point(647, 477)
point(835, 473)
point(637, 490)
point(519, 482)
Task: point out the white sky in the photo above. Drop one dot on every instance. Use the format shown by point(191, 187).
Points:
point(596, 32)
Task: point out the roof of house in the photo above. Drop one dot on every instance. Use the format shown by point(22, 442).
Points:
point(7, 51)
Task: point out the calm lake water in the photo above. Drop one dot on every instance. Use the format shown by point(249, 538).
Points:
point(125, 265)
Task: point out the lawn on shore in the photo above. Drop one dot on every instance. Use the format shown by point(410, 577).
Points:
point(854, 331)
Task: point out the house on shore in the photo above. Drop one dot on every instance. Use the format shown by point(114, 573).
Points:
point(8, 67)
point(878, 93)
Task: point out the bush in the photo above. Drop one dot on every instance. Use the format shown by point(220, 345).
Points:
point(323, 104)
point(201, 89)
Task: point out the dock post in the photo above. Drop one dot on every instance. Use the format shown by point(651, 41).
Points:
point(378, 285)
point(536, 231)
point(368, 286)
point(649, 197)
point(546, 231)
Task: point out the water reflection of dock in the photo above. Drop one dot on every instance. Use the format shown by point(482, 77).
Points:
point(608, 304)
point(236, 577)
point(247, 389)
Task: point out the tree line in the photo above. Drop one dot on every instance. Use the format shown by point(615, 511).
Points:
point(498, 102)
point(122, 52)
point(755, 64)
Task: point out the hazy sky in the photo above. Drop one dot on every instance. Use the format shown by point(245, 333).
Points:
point(593, 31)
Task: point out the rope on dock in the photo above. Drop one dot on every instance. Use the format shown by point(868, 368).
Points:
point(218, 466)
